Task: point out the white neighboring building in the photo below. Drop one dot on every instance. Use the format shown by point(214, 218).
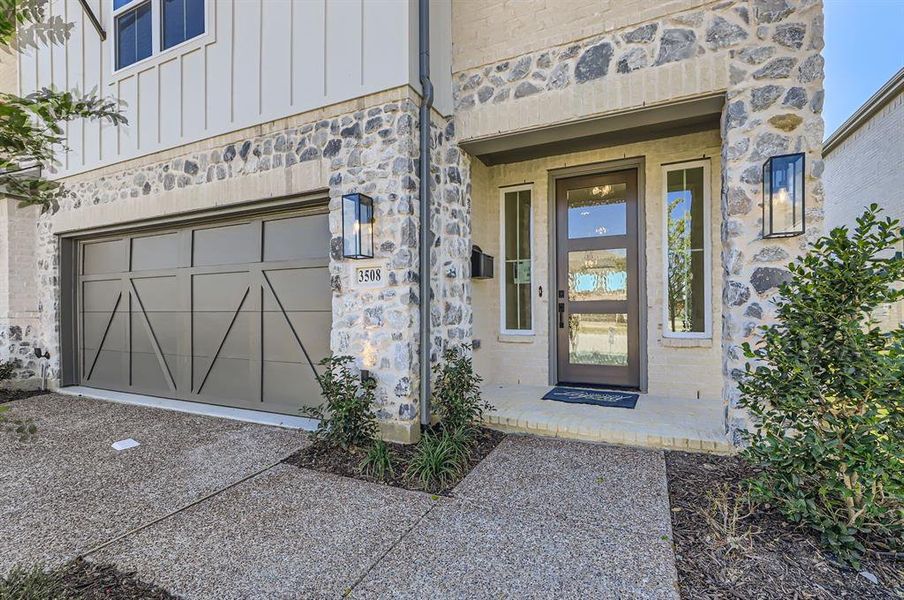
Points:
point(864, 163)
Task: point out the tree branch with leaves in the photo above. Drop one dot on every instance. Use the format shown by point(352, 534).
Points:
point(32, 128)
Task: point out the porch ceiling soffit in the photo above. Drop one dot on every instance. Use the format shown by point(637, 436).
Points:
point(635, 125)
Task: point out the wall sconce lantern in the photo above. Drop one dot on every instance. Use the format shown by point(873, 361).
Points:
point(357, 226)
point(783, 196)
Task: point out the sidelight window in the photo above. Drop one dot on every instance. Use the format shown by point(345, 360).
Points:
point(516, 293)
point(687, 243)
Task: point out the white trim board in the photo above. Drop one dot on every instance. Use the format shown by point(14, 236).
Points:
point(195, 408)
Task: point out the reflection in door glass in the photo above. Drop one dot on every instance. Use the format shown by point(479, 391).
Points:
point(598, 339)
point(598, 275)
point(597, 211)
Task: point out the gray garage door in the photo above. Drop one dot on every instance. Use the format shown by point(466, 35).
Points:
point(231, 313)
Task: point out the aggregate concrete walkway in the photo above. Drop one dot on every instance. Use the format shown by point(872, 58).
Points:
point(539, 518)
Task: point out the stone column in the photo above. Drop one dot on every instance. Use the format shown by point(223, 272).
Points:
point(373, 152)
point(773, 106)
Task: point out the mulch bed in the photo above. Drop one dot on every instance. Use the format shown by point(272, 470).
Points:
point(765, 556)
point(10, 395)
point(80, 580)
point(91, 581)
point(328, 460)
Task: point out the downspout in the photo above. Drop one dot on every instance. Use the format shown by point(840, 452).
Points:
point(424, 237)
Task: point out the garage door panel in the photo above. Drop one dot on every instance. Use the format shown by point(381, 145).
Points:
point(101, 296)
point(198, 314)
point(229, 379)
point(167, 330)
point(102, 331)
point(151, 376)
point(219, 334)
point(219, 291)
point(296, 238)
point(154, 252)
point(299, 289)
point(291, 385)
point(107, 256)
point(226, 245)
point(313, 328)
point(105, 368)
point(157, 294)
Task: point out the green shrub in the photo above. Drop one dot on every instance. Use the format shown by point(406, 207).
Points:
point(8, 369)
point(347, 418)
point(825, 393)
point(456, 395)
point(32, 584)
point(437, 460)
point(378, 461)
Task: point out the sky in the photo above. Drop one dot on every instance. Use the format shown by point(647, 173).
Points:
point(864, 48)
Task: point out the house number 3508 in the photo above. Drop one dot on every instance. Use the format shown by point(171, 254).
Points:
point(369, 276)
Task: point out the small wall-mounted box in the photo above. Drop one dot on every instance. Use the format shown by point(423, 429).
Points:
point(481, 264)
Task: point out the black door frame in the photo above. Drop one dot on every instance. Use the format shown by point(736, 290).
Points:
point(599, 168)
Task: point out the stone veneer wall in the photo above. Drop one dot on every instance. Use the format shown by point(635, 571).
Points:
point(769, 51)
point(451, 315)
point(373, 150)
point(773, 106)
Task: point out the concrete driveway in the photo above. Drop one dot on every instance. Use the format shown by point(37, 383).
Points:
point(204, 508)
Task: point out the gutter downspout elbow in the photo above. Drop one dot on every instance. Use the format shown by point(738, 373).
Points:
point(424, 241)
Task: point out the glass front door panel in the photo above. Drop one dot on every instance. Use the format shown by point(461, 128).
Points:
point(598, 339)
point(597, 211)
point(598, 275)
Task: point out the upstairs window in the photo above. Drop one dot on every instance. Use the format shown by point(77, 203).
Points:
point(147, 27)
point(133, 34)
point(182, 20)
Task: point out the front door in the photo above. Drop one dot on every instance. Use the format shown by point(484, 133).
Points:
point(597, 277)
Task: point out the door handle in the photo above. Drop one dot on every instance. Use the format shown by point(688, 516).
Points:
point(561, 315)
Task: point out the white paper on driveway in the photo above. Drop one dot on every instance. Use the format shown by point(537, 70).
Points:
point(125, 444)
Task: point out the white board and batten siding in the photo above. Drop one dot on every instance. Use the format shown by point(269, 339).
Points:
point(258, 60)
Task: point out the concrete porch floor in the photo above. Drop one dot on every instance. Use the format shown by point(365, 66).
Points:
point(655, 422)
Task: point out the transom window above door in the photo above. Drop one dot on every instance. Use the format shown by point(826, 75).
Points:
point(143, 28)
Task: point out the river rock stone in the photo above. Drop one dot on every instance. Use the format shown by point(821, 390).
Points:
point(763, 97)
point(641, 35)
point(790, 35)
point(777, 68)
point(593, 63)
point(675, 45)
point(768, 278)
point(771, 254)
point(632, 60)
point(786, 122)
point(796, 97)
point(723, 34)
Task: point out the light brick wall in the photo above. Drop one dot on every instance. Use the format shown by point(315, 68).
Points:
point(676, 368)
point(868, 167)
point(9, 74)
point(19, 292)
point(485, 31)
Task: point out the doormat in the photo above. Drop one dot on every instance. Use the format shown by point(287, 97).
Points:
point(595, 397)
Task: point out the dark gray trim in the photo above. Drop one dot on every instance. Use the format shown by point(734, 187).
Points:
point(214, 214)
point(93, 18)
point(638, 163)
point(646, 123)
point(68, 325)
point(424, 239)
